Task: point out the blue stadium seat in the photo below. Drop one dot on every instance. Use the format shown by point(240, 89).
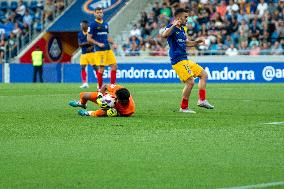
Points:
point(26, 4)
point(2, 15)
point(39, 27)
point(4, 5)
point(14, 5)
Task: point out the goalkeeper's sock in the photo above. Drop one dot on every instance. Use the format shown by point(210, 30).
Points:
point(84, 75)
point(202, 94)
point(184, 104)
point(112, 76)
point(100, 79)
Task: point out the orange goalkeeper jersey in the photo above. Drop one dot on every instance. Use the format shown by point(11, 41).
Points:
point(123, 110)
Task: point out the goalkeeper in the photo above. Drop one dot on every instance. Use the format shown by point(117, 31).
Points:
point(124, 104)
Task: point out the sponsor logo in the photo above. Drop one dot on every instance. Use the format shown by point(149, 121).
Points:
point(54, 48)
point(227, 74)
point(269, 73)
point(107, 5)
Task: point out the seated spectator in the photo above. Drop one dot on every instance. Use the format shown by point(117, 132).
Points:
point(253, 42)
point(166, 10)
point(265, 50)
point(222, 8)
point(276, 49)
point(156, 9)
point(232, 51)
point(255, 50)
point(135, 31)
point(243, 49)
point(49, 10)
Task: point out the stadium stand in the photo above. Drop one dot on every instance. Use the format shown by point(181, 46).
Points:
point(231, 27)
point(21, 21)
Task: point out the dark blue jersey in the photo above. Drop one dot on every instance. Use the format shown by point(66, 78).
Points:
point(99, 32)
point(82, 38)
point(177, 43)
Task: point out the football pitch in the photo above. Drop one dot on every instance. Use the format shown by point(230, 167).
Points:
point(45, 144)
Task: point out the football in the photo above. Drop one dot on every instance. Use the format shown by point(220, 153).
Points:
point(109, 99)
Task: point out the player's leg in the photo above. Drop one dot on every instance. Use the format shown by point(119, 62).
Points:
point(189, 83)
point(97, 113)
point(84, 63)
point(113, 74)
point(182, 69)
point(100, 74)
point(84, 98)
point(201, 73)
point(111, 60)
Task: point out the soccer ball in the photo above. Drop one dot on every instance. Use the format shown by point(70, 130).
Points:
point(109, 99)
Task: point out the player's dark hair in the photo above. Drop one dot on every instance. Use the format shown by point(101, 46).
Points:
point(98, 8)
point(179, 11)
point(85, 22)
point(123, 96)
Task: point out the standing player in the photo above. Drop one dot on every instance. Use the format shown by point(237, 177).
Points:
point(186, 69)
point(104, 56)
point(87, 53)
point(124, 103)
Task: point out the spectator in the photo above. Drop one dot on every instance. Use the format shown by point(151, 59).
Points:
point(255, 50)
point(27, 19)
point(276, 49)
point(12, 46)
point(232, 51)
point(166, 10)
point(265, 49)
point(20, 11)
point(222, 8)
point(156, 9)
point(253, 42)
point(2, 48)
point(135, 31)
point(261, 8)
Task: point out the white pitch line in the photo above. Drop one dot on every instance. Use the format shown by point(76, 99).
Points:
point(274, 123)
point(262, 185)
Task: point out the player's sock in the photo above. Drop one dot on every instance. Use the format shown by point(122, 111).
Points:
point(184, 103)
point(112, 76)
point(202, 94)
point(100, 79)
point(84, 75)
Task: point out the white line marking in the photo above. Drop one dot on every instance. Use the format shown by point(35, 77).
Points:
point(262, 185)
point(274, 123)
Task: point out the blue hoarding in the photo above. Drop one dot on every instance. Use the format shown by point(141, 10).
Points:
point(156, 73)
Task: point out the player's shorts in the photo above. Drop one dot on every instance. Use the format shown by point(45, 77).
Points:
point(104, 58)
point(88, 58)
point(186, 69)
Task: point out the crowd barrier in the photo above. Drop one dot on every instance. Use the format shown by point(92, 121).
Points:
point(270, 72)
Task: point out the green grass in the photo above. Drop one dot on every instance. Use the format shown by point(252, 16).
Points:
point(45, 144)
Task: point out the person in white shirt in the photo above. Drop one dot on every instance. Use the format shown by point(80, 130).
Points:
point(261, 8)
point(232, 51)
point(135, 31)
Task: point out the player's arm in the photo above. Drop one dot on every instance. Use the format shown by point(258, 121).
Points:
point(82, 44)
point(198, 41)
point(110, 40)
point(103, 89)
point(168, 31)
point(92, 41)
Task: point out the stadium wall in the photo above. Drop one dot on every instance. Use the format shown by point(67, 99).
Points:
point(241, 72)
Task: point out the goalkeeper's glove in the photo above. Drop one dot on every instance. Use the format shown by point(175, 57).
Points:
point(112, 112)
point(102, 104)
